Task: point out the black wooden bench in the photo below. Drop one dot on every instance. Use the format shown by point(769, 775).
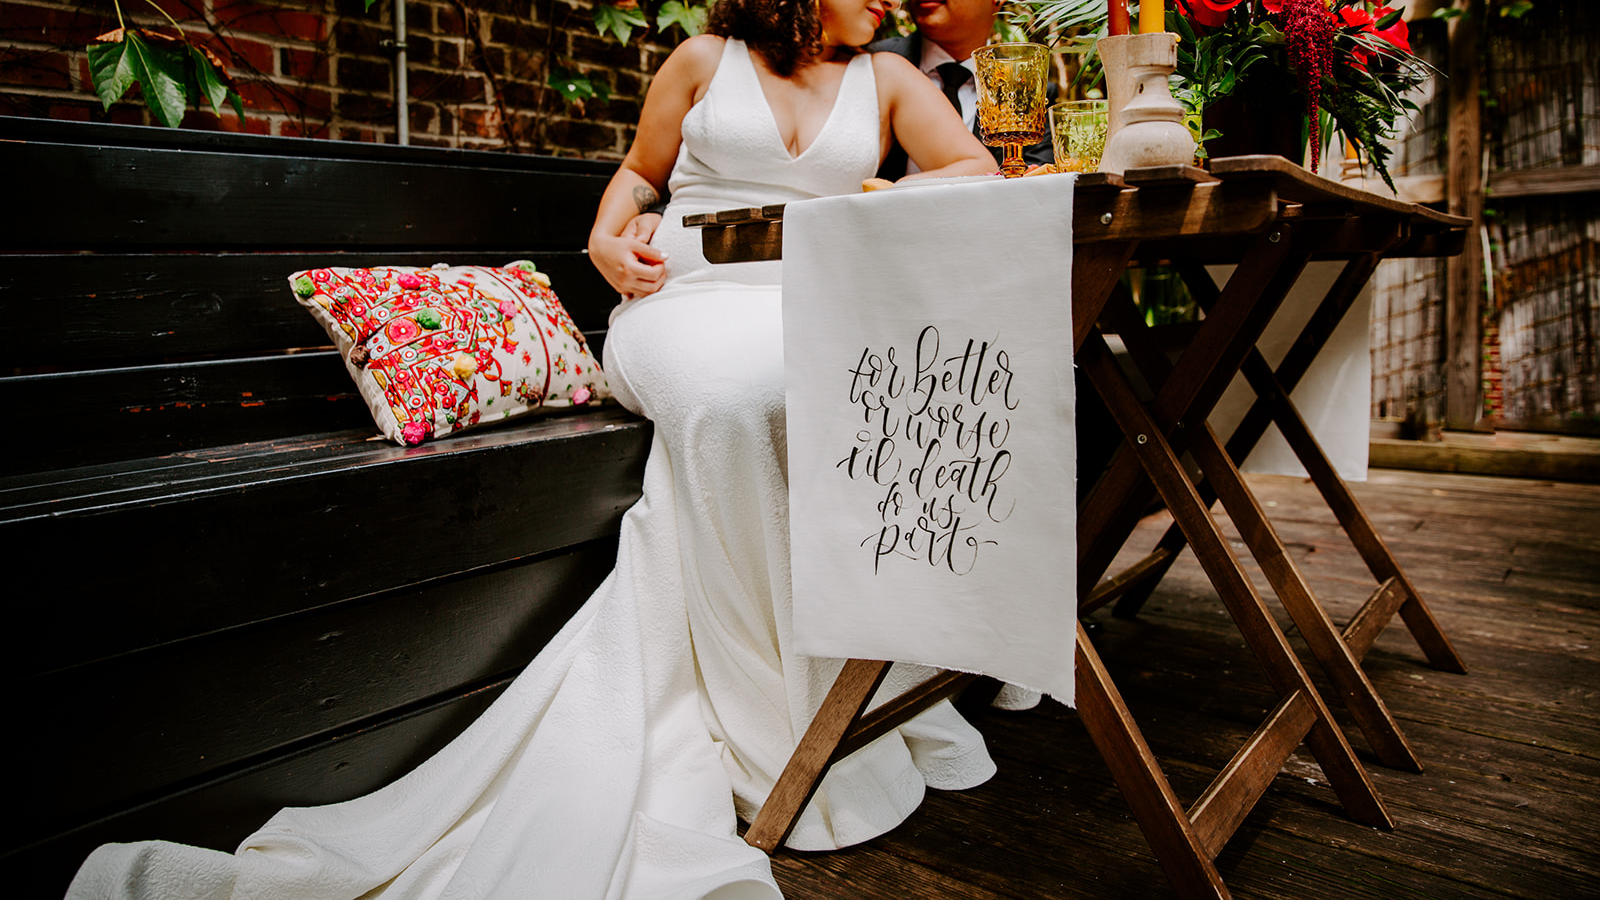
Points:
point(223, 595)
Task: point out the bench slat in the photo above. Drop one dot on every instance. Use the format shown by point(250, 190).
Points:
point(81, 197)
point(81, 418)
point(221, 811)
point(160, 567)
point(121, 309)
point(127, 726)
point(104, 415)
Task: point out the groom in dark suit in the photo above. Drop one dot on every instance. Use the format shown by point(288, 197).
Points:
point(947, 33)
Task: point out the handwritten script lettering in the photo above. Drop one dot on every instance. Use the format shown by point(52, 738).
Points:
point(935, 416)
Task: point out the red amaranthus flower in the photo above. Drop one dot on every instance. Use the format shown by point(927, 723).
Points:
point(1309, 26)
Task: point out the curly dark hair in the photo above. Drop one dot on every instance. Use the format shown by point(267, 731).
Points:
point(785, 32)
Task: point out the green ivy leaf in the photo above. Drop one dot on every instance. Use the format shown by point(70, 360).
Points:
point(575, 86)
point(1179, 23)
point(692, 19)
point(620, 22)
point(111, 69)
point(161, 75)
point(208, 79)
point(1389, 20)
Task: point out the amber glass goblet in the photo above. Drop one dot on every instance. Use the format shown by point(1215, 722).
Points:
point(1078, 134)
point(1011, 99)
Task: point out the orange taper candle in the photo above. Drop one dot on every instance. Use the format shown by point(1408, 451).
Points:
point(1152, 16)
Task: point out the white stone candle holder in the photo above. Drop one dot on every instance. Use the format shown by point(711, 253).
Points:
point(1145, 127)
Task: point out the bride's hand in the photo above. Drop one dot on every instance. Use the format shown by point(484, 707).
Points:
point(627, 260)
point(643, 226)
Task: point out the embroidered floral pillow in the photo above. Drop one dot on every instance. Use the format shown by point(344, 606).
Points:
point(437, 350)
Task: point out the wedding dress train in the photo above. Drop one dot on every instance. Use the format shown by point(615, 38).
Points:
point(617, 762)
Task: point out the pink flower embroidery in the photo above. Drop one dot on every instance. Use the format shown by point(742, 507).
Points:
point(581, 396)
point(414, 433)
point(402, 331)
point(409, 281)
point(507, 308)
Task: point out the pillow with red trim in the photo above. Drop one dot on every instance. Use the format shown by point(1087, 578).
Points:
point(435, 350)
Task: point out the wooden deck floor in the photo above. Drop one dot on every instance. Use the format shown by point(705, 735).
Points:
point(1506, 807)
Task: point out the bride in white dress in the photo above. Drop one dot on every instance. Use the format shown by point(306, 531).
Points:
point(618, 763)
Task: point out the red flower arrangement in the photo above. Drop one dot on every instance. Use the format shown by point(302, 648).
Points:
point(1347, 63)
point(1350, 61)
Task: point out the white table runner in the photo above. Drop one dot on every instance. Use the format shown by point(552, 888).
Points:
point(927, 342)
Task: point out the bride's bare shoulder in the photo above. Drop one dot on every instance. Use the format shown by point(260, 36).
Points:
point(698, 55)
point(688, 70)
point(896, 68)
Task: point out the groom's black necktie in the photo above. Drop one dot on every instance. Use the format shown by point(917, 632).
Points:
point(953, 75)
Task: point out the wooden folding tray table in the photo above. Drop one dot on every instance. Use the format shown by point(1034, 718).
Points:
point(1270, 218)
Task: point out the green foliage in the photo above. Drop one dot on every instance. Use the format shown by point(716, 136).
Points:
point(576, 87)
point(168, 70)
point(619, 20)
point(1211, 66)
point(1067, 26)
point(210, 83)
point(690, 17)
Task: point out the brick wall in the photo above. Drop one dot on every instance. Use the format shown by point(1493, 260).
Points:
point(323, 68)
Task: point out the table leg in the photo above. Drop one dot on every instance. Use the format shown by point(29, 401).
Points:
point(1222, 479)
point(1117, 501)
point(842, 726)
point(846, 702)
point(1178, 848)
point(1369, 621)
point(1273, 406)
point(1341, 294)
point(1344, 772)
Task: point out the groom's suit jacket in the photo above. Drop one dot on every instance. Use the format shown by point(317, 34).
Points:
point(894, 165)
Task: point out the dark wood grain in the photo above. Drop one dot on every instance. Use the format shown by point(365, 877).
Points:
point(124, 728)
point(1558, 181)
point(119, 308)
point(103, 415)
point(1464, 197)
point(160, 199)
point(198, 554)
point(218, 811)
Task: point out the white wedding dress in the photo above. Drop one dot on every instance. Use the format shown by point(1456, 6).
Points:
point(615, 764)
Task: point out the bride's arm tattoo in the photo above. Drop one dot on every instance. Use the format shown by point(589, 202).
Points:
point(645, 197)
